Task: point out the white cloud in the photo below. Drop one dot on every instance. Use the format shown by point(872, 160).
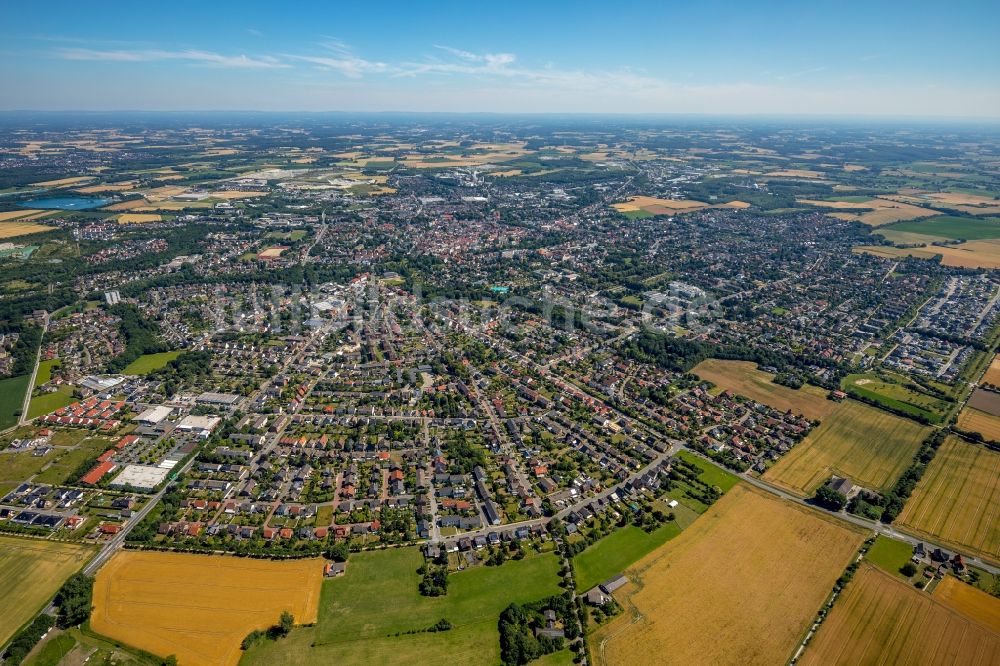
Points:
point(189, 55)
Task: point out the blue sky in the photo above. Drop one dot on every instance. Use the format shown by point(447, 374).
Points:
point(805, 57)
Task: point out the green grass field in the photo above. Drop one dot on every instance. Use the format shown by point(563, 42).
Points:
point(81, 645)
point(31, 571)
point(626, 546)
point(148, 363)
point(17, 467)
point(49, 402)
point(12, 399)
point(863, 443)
point(895, 396)
point(377, 598)
point(889, 554)
point(45, 371)
point(711, 474)
point(947, 226)
point(64, 463)
point(618, 551)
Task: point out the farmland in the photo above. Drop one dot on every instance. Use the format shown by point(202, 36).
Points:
point(15, 228)
point(873, 212)
point(973, 420)
point(31, 571)
point(992, 374)
point(955, 228)
point(378, 597)
point(721, 573)
point(878, 619)
point(199, 607)
point(743, 378)
point(957, 501)
point(970, 602)
point(864, 444)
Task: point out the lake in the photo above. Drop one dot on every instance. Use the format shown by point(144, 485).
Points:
point(66, 203)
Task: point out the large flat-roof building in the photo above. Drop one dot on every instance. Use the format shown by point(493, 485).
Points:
point(140, 477)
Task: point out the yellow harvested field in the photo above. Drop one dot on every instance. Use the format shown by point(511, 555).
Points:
point(883, 211)
point(31, 571)
point(743, 378)
point(26, 214)
point(658, 206)
point(970, 601)
point(127, 205)
point(506, 174)
point(854, 167)
point(796, 173)
point(957, 502)
point(200, 607)
point(739, 586)
point(881, 620)
point(869, 446)
point(971, 254)
point(21, 228)
point(231, 194)
point(138, 218)
point(733, 204)
point(107, 187)
point(974, 420)
point(63, 181)
point(992, 374)
point(163, 192)
point(889, 252)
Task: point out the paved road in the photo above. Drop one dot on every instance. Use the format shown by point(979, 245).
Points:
point(116, 542)
point(874, 525)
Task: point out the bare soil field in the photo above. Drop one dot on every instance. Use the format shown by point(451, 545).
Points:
point(740, 585)
point(865, 444)
point(200, 607)
point(971, 602)
point(985, 401)
point(957, 502)
point(743, 378)
point(880, 620)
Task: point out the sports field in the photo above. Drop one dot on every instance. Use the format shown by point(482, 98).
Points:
point(957, 502)
point(865, 444)
point(148, 363)
point(741, 585)
point(31, 571)
point(199, 607)
point(743, 378)
point(361, 613)
point(880, 620)
point(969, 601)
point(973, 420)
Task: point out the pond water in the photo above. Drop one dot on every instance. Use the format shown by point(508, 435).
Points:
point(66, 203)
